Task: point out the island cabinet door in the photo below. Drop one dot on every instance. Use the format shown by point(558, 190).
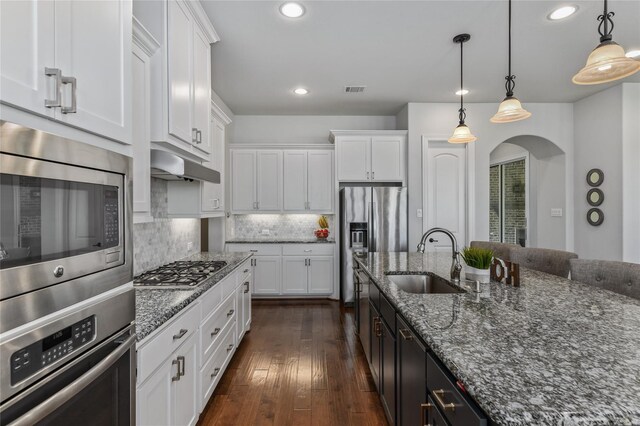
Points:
point(412, 375)
point(388, 371)
point(376, 333)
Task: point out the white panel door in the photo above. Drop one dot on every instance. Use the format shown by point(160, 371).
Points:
point(266, 275)
point(239, 313)
point(26, 48)
point(184, 392)
point(295, 180)
point(93, 45)
point(246, 302)
point(446, 196)
point(153, 397)
point(320, 188)
point(353, 158)
point(180, 75)
point(387, 158)
point(213, 193)
point(321, 275)
point(243, 180)
point(269, 180)
point(294, 275)
point(201, 89)
point(141, 138)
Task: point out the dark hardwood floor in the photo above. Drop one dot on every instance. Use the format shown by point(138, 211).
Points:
point(301, 364)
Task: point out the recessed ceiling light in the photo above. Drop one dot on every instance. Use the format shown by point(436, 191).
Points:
point(562, 12)
point(462, 92)
point(301, 91)
point(292, 10)
point(635, 54)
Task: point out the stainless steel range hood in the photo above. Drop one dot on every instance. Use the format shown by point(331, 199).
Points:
point(168, 166)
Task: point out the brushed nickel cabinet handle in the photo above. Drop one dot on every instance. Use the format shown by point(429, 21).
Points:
point(230, 312)
point(437, 395)
point(215, 332)
point(70, 109)
point(373, 175)
point(367, 175)
point(246, 290)
point(180, 365)
point(54, 72)
point(423, 409)
point(245, 271)
point(194, 134)
point(230, 347)
point(215, 372)
point(181, 334)
point(308, 250)
point(198, 136)
point(406, 335)
point(177, 376)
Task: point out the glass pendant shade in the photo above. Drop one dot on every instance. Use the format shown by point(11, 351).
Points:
point(510, 109)
point(462, 134)
point(606, 63)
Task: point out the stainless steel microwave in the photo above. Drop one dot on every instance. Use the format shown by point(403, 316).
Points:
point(63, 215)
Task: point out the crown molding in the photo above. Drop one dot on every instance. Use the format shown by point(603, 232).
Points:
point(215, 109)
point(143, 38)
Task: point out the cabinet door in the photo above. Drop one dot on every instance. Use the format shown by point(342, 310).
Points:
point(153, 397)
point(375, 321)
point(388, 371)
point(353, 158)
point(213, 193)
point(180, 50)
point(266, 275)
point(412, 373)
point(295, 180)
point(320, 181)
point(321, 275)
point(269, 180)
point(246, 301)
point(201, 89)
point(243, 180)
point(239, 312)
point(184, 391)
point(93, 44)
point(295, 271)
point(26, 48)
point(387, 158)
point(141, 145)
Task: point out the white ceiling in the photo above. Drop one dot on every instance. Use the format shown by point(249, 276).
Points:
point(403, 52)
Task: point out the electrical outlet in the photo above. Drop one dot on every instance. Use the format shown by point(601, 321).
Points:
point(266, 232)
point(190, 246)
point(419, 213)
point(556, 212)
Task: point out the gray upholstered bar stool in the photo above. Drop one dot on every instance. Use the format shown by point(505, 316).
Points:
point(500, 250)
point(619, 277)
point(555, 262)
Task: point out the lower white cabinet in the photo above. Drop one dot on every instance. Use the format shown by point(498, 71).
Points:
point(294, 278)
point(266, 275)
point(307, 275)
point(320, 275)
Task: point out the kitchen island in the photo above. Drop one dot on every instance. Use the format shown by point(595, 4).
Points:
point(552, 351)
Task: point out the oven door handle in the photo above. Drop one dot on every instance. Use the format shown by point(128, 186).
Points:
point(51, 404)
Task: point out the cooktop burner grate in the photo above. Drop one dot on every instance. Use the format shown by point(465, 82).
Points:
point(183, 274)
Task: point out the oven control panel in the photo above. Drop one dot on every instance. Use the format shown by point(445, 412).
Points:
point(111, 214)
point(28, 361)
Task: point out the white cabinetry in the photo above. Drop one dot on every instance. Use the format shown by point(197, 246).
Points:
point(308, 181)
point(213, 193)
point(181, 74)
point(266, 275)
point(256, 180)
point(294, 278)
point(144, 45)
point(70, 61)
point(375, 156)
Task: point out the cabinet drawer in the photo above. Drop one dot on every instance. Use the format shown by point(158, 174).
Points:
point(229, 284)
point(443, 391)
point(388, 313)
point(256, 249)
point(161, 346)
point(307, 249)
point(211, 300)
point(214, 327)
point(243, 272)
point(214, 368)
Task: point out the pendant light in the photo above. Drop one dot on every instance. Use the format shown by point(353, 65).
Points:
point(607, 62)
point(510, 108)
point(461, 134)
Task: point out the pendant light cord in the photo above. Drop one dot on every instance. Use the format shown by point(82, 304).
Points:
point(461, 113)
point(605, 20)
point(510, 84)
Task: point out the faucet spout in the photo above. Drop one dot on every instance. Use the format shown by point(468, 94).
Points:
point(456, 267)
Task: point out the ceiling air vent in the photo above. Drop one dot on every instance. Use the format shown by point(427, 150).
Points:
point(354, 89)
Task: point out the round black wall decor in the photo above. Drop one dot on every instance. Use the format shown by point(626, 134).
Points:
point(595, 177)
point(595, 197)
point(595, 217)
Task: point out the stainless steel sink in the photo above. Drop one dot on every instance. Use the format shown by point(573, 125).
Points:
point(423, 284)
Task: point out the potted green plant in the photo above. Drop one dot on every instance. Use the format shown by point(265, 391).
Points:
point(478, 262)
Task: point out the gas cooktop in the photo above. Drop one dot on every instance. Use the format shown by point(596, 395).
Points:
point(183, 274)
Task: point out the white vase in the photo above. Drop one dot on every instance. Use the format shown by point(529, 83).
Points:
point(474, 274)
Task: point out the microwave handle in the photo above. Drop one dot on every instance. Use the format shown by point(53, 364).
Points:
point(51, 404)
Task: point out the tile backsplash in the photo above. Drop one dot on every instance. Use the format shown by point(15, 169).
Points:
point(279, 225)
point(164, 240)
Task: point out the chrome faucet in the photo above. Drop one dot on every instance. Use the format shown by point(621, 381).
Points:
point(456, 267)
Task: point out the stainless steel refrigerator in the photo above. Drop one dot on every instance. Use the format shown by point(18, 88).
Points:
point(371, 219)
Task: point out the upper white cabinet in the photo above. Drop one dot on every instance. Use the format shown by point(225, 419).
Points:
point(213, 193)
point(70, 61)
point(373, 156)
point(308, 181)
point(181, 74)
point(256, 180)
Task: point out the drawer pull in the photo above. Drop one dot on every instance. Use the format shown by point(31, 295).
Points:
point(177, 376)
point(308, 251)
point(215, 373)
point(215, 332)
point(230, 313)
point(423, 409)
point(406, 335)
point(245, 271)
point(230, 347)
point(437, 395)
point(246, 290)
point(180, 335)
point(253, 251)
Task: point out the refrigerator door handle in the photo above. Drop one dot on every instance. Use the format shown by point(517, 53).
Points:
point(371, 228)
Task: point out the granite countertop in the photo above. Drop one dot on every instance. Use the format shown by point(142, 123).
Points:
point(277, 240)
point(550, 352)
point(154, 307)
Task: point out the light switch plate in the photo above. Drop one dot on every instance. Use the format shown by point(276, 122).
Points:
point(419, 213)
point(266, 232)
point(189, 245)
point(556, 212)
